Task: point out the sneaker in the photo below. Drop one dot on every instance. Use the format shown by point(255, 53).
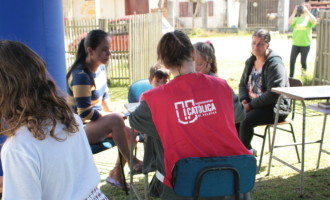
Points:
point(254, 152)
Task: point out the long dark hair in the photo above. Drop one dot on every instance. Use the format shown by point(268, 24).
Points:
point(174, 48)
point(92, 40)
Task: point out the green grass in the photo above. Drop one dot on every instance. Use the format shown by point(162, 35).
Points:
point(283, 183)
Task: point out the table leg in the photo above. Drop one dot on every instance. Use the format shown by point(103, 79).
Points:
point(273, 140)
point(131, 163)
point(302, 170)
point(321, 143)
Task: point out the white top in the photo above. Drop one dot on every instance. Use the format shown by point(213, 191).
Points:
point(48, 169)
point(304, 92)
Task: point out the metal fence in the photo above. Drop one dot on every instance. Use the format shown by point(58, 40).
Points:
point(322, 62)
point(134, 43)
point(262, 14)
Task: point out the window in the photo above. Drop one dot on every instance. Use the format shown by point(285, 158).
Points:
point(187, 9)
point(183, 9)
point(210, 8)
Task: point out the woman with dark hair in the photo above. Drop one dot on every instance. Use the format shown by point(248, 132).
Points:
point(88, 95)
point(46, 154)
point(191, 116)
point(263, 71)
point(302, 21)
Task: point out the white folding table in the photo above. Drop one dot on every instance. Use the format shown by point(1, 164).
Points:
point(302, 94)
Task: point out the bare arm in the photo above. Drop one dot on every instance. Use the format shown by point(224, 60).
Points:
point(310, 15)
point(293, 15)
point(106, 105)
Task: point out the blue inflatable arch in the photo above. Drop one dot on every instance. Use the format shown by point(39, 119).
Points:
point(38, 24)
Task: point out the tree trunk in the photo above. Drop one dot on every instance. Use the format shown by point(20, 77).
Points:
point(164, 4)
point(195, 14)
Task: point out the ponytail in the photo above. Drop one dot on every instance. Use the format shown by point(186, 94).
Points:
point(92, 40)
point(80, 58)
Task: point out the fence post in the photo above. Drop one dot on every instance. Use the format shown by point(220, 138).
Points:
point(243, 15)
point(104, 24)
point(322, 61)
point(283, 15)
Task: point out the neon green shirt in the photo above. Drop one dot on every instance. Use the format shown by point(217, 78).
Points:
point(302, 31)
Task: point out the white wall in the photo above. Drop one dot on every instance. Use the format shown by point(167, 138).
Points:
point(232, 13)
point(81, 9)
point(78, 9)
point(219, 14)
point(110, 8)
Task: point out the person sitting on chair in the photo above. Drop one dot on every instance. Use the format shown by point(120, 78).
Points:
point(46, 154)
point(158, 75)
point(205, 62)
point(263, 71)
point(88, 95)
point(191, 116)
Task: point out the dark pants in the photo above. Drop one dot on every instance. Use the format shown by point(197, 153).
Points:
point(303, 57)
point(255, 117)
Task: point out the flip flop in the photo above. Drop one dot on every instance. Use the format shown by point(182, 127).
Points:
point(115, 183)
point(137, 169)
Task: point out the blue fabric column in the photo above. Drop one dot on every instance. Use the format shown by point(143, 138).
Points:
point(38, 24)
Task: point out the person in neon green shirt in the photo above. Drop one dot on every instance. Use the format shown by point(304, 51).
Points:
point(302, 22)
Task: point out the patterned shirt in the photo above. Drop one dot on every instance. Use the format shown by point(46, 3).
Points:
point(255, 84)
point(84, 97)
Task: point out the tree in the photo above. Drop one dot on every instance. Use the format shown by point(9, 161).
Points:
point(162, 3)
point(195, 12)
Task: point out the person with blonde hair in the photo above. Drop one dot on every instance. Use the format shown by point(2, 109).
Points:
point(46, 154)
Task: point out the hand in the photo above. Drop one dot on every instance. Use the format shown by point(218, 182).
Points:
point(207, 68)
point(295, 10)
point(247, 107)
point(244, 101)
point(203, 68)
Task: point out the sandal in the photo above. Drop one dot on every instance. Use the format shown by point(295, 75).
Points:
point(137, 169)
point(116, 183)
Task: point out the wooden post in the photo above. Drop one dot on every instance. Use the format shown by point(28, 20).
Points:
point(243, 15)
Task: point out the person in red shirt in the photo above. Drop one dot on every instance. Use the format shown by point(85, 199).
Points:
point(191, 116)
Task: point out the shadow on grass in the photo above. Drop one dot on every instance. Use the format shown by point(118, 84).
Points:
point(317, 187)
point(114, 193)
point(316, 182)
